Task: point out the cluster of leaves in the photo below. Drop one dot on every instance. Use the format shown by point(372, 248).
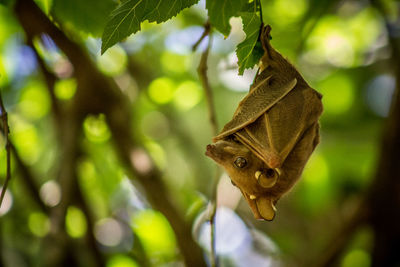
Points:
point(126, 18)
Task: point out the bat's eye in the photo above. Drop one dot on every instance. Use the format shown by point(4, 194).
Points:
point(240, 162)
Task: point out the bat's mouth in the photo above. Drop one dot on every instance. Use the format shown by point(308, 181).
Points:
point(261, 206)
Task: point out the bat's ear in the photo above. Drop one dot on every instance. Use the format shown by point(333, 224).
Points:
point(266, 208)
point(267, 177)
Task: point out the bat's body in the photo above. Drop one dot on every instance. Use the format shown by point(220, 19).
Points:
point(274, 130)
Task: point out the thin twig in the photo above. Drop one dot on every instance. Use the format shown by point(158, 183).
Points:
point(6, 132)
point(207, 28)
point(202, 71)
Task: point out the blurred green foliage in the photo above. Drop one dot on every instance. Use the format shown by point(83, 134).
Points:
point(342, 52)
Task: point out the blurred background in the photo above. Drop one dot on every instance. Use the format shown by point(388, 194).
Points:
point(92, 171)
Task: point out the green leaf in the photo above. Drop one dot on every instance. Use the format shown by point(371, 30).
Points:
point(126, 18)
point(250, 50)
point(89, 16)
point(220, 11)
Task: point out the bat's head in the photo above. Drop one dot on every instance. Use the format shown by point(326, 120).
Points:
point(248, 173)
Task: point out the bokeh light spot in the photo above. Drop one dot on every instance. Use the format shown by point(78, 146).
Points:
point(50, 193)
point(34, 102)
point(343, 41)
point(26, 139)
point(284, 11)
point(39, 224)
point(316, 170)
point(187, 95)
point(96, 129)
point(121, 261)
point(290, 10)
point(65, 89)
point(113, 62)
point(358, 258)
point(108, 232)
point(75, 222)
point(338, 92)
point(174, 63)
point(379, 94)
point(161, 90)
point(141, 160)
point(155, 233)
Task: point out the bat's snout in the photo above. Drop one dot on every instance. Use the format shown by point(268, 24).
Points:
point(214, 152)
point(210, 150)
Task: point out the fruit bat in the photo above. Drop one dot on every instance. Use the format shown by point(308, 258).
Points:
point(273, 132)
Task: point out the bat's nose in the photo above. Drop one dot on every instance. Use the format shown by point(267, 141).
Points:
point(209, 149)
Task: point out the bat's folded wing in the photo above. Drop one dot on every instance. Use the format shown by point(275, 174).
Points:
point(274, 134)
point(263, 95)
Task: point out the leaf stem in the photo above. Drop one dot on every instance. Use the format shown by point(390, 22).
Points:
point(261, 13)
